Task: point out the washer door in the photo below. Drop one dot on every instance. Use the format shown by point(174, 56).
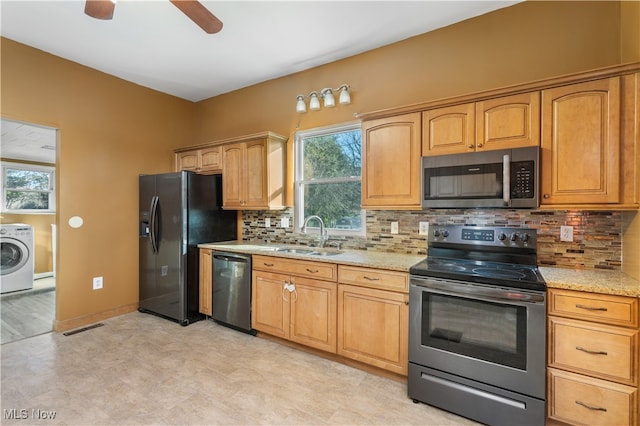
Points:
point(14, 254)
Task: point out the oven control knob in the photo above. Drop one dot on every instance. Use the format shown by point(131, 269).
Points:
point(436, 233)
point(445, 233)
point(502, 236)
point(524, 237)
point(514, 237)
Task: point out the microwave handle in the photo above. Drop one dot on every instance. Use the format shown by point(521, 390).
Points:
point(506, 179)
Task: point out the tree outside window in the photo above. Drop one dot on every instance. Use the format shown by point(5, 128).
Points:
point(328, 178)
point(27, 188)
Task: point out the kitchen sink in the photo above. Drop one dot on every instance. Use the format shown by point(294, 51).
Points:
point(295, 251)
point(306, 251)
point(324, 253)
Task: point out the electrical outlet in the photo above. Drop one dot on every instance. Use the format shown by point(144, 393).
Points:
point(566, 233)
point(394, 227)
point(424, 228)
point(284, 222)
point(267, 222)
point(97, 283)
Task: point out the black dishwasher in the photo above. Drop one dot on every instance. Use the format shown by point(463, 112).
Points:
point(232, 290)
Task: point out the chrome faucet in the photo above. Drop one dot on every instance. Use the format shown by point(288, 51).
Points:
point(322, 230)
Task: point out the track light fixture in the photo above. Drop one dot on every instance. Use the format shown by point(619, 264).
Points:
point(327, 95)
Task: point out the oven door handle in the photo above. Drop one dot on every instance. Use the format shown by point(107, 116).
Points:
point(496, 294)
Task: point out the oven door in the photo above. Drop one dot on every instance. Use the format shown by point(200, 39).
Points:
point(489, 334)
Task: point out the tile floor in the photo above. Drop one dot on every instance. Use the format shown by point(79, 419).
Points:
point(141, 369)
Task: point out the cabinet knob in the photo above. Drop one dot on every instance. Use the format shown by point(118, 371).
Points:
point(546, 196)
point(479, 145)
point(470, 146)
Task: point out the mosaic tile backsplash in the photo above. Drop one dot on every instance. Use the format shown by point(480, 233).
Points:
point(597, 235)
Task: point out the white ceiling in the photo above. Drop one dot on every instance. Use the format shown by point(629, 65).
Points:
point(153, 44)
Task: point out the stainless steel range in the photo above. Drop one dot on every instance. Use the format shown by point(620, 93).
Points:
point(477, 331)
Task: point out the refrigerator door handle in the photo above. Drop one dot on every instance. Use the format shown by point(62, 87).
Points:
point(153, 224)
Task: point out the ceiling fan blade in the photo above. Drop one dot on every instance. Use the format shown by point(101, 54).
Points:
point(100, 9)
point(199, 14)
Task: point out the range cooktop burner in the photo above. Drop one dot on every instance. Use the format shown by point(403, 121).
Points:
point(498, 256)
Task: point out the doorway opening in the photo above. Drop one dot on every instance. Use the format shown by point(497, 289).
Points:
point(29, 235)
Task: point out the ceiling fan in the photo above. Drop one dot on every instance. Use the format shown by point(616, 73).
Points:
point(103, 9)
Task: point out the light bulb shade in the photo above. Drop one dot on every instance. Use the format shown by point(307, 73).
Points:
point(329, 100)
point(301, 107)
point(345, 98)
point(314, 103)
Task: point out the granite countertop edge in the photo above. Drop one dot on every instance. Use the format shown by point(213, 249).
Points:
point(369, 259)
point(587, 280)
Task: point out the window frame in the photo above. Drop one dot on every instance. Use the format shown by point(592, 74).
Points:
point(299, 181)
point(51, 170)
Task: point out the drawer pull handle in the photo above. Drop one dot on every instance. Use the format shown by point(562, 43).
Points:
point(580, 348)
point(371, 278)
point(590, 407)
point(591, 308)
point(268, 264)
point(313, 271)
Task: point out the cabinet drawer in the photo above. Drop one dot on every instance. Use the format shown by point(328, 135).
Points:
point(374, 278)
point(584, 400)
point(301, 268)
point(594, 349)
point(614, 310)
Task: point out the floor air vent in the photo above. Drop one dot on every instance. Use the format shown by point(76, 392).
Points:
point(80, 330)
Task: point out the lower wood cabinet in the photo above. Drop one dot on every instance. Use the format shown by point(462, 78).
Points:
point(373, 317)
point(206, 282)
point(373, 327)
point(592, 375)
point(292, 304)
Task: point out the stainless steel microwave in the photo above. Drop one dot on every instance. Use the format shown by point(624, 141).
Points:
point(507, 178)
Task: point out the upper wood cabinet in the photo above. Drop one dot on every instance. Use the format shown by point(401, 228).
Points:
point(581, 143)
point(449, 130)
point(254, 173)
point(391, 163)
point(203, 160)
point(499, 123)
point(508, 122)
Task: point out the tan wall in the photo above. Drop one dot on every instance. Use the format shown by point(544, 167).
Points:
point(525, 42)
point(42, 237)
point(111, 130)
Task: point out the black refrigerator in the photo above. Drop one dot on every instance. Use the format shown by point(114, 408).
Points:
point(178, 211)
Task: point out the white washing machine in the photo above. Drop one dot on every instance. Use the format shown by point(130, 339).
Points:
point(17, 266)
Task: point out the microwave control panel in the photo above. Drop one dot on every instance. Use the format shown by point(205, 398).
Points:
point(523, 176)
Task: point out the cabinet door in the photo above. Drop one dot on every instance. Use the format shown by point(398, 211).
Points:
point(313, 313)
point(211, 159)
point(449, 130)
point(233, 170)
point(255, 173)
point(581, 143)
point(391, 162)
point(508, 122)
point(373, 327)
point(205, 282)
point(189, 160)
point(269, 303)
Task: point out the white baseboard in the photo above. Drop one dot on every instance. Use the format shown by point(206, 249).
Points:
point(42, 275)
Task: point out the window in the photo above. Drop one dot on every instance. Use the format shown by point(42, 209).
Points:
point(27, 188)
point(328, 179)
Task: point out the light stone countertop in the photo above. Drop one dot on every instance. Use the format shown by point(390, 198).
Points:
point(370, 259)
point(596, 281)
